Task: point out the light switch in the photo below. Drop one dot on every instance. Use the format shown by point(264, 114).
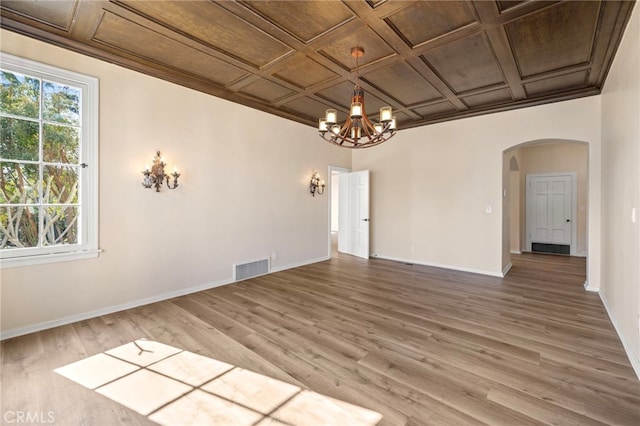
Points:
point(633, 215)
point(488, 209)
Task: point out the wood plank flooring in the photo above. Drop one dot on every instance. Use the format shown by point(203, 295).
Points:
point(419, 345)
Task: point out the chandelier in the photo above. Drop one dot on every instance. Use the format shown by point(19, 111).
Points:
point(358, 131)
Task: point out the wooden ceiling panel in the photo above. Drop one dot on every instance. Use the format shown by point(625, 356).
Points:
point(431, 60)
point(376, 3)
point(126, 36)
point(305, 20)
point(403, 83)
point(304, 73)
point(372, 105)
point(266, 90)
point(230, 34)
point(402, 119)
point(423, 21)
point(556, 37)
point(340, 51)
point(466, 64)
point(340, 94)
point(571, 81)
point(504, 5)
point(435, 110)
point(500, 96)
point(314, 109)
point(58, 14)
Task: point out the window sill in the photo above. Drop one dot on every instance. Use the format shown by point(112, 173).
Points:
point(41, 259)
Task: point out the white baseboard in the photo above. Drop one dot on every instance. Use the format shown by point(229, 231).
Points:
point(438, 265)
point(109, 310)
point(137, 303)
point(299, 264)
point(588, 287)
point(633, 357)
point(506, 269)
point(516, 252)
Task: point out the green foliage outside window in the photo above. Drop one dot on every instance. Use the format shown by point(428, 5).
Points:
point(39, 162)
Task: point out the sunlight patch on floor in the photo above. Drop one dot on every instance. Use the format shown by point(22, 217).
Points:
point(172, 386)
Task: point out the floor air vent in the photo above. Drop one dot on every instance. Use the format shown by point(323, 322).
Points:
point(550, 248)
point(243, 271)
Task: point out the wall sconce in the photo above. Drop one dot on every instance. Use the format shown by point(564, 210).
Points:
point(155, 176)
point(316, 185)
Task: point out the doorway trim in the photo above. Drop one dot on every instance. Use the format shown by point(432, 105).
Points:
point(593, 212)
point(330, 170)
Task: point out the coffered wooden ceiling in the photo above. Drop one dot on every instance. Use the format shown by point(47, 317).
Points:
point(430, 60)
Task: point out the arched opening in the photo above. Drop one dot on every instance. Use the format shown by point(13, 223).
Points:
point(540, 164)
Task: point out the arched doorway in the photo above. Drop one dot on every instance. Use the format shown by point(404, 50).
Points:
point(538, 160)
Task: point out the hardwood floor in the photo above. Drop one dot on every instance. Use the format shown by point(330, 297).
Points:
point(419, 345)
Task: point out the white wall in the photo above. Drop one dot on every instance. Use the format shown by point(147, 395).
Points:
point(244, 194)
point(620, 288)
point(431, 185)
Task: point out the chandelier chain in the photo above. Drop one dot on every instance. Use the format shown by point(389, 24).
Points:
point(357, 69)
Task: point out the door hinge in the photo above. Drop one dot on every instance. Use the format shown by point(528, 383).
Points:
point(84, 165)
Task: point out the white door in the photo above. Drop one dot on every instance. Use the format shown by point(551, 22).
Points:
point(550, 210)
point(343, 213)
point(353, 214)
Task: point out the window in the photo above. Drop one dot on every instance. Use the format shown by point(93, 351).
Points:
point(48, 163)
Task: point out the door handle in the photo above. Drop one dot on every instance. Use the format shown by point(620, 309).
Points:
point(568, 220)
point(366, 220)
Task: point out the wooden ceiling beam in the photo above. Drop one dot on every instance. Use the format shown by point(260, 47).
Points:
point(431, 61)
point(488, 15)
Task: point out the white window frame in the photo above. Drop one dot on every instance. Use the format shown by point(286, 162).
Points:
point(87, 247)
